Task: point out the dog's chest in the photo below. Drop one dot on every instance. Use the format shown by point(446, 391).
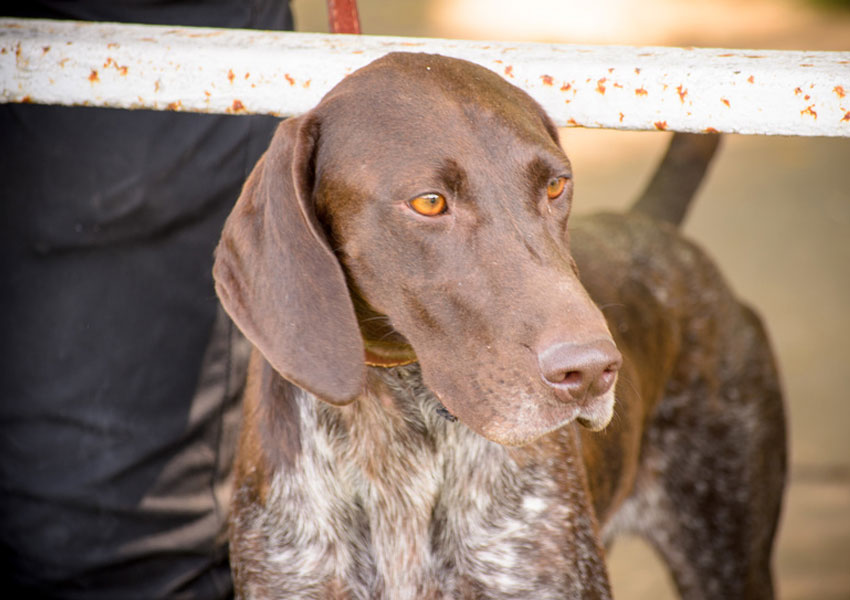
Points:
point(404, 504)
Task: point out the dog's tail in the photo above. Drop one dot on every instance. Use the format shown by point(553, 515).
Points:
point(677, 178)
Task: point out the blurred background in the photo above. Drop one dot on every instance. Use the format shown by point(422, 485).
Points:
point(774, 212)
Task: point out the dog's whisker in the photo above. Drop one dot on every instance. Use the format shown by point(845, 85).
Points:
point(604, 307)
point(376, 318)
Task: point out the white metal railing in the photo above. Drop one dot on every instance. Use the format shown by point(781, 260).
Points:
point(246, 71)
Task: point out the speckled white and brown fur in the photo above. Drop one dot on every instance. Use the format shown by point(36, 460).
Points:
point(350, 481)
point(388, 499)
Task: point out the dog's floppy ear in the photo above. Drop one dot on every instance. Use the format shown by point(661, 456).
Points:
point(278, 279)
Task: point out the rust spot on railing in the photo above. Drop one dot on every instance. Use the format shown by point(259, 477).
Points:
point(810, 110)
point(600, 85)
point(751, 79)
point(641, 92)
point(566, 87)
point(230, 75)
point(289, 78)
point(839, 90)
point(661, 125)
point(547, 79)
point(682, 93)
point(110, 62)
point(237, 106)
point(93, 77)
point(509, 71)
point(726, 102)
point(710, 130)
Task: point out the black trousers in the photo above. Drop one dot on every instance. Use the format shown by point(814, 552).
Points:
point(120, 375)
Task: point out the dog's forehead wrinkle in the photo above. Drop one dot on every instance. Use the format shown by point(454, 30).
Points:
point(467, 163)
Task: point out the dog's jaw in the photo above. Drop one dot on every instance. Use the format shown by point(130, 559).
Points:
point(596, 414)
point(526, 417)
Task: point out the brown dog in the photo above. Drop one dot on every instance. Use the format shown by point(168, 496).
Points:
point(425, 355)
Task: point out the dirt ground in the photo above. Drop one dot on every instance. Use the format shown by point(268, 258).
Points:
point(774, 212)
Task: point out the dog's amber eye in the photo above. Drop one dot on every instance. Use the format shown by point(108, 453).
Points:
point(555, 187)
point(429, 205)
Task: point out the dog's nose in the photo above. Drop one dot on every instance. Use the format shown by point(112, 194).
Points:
point(580, 371)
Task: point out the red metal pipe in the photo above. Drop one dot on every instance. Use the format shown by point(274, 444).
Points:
point(342, 16)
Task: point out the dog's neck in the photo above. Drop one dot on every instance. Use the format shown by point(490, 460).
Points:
point(404, 503)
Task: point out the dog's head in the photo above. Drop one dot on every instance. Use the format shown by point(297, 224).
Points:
point(419, 212)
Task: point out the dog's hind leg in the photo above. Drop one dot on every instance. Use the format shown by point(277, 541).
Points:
point(709, 490)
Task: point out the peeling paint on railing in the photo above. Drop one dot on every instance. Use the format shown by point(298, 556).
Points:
point(243, 71)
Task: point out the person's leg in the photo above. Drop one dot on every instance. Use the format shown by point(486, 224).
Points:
point(119, 376)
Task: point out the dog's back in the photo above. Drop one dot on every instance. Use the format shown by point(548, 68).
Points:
point(706, 491)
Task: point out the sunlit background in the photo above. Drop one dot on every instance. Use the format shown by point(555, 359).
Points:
point(774, 212)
